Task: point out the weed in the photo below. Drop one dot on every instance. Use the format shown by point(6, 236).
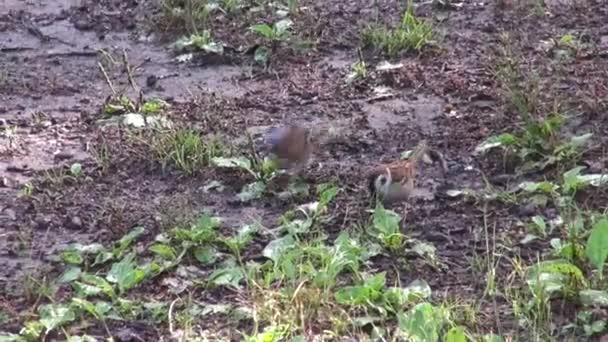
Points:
point(183, 148)
point(412, 34)
point(37, 288)
point(359, 70)
point(101, 154)
point(198, 42)
point(386, 226)
point(190, 15)
point(27, 190)
point(539, 145)
point(273, 35)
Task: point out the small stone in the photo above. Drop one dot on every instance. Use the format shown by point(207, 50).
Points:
point(526, 210)
point(74, 223)
point(42, 222)
point(64, 155)
point(10, 213)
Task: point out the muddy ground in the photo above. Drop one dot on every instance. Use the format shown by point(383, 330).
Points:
point(52, 92)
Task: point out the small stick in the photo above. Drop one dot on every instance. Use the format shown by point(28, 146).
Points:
point(105, 75)
point(125, 61)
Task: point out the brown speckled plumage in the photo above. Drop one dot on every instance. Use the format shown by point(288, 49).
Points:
point(395, 181)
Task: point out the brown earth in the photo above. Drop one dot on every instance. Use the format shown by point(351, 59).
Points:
point(51, 91)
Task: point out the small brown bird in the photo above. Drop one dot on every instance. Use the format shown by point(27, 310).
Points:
point(293, 146)
point(395, 182)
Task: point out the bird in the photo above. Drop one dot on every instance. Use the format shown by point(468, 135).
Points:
point(293, 146)
point(395, 182)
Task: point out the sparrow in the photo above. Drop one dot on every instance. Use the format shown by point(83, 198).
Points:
point(394, 182)
point(293, 146)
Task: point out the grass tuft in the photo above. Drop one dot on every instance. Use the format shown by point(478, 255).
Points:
point(184, 149)
point(412, 34)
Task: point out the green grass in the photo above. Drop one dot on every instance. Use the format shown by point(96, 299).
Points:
point(184, 149)
point(412, 34)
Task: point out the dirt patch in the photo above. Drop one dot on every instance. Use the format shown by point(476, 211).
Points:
point(53, 90)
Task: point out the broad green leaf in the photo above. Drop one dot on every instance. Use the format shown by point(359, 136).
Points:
point(55, 315)
point(165, 251)
point(277, 247)
point(400, 297)
point(597, 245)
point(368, 292)
point(554, 276)
point(282, 26)
point(230, 276)
point(386, 221)
point(87, 306)
point(72, 257)
point(125, 273)
point(99, 282)
point(126, 240)
point(262, 56)
point(594, 298)
point(252, 191)
point(295, 189)
point(456, 334)
point(236, 162)
point(540, 224)
point(264, 30)
point(70, 274)
point(205, 254)
point(271, 334)
point(545, 187)
point(8, 337)
point(596, 180)
point(580, 140)
point(572, 180)
point(327, 192)
point(422, 323)
point(502, 140)
point(102, 258)
point(85, 290)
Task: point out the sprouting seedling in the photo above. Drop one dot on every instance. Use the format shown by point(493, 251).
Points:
point(358, 70)
point(278, 31)
point(76, 170)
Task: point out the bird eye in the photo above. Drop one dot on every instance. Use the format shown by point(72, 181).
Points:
point(382, 180)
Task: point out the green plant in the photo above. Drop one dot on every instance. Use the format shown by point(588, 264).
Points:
point(27, 190)
point(184, 148)
point(261, 170)
point(539, 145)
point(277, 32)
point(412, 34)
point(385, 223)
point(358, 72)
point(273, 34)
point(198, 42)
point(189, 15)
